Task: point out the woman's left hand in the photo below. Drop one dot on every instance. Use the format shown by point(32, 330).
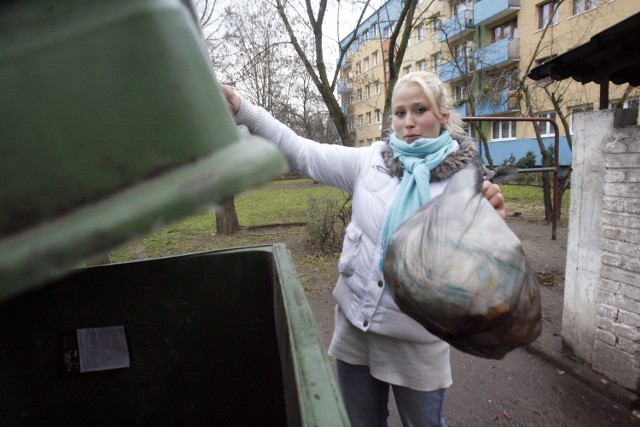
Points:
point(494, 195)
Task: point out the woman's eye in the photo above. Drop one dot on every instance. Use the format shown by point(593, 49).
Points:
point(421, 110)
point(400, 113)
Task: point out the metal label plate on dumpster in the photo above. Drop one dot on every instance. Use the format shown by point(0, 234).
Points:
point(95, 349)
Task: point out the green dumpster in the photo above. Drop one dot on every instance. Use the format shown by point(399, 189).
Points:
point(218, 338)
point(111, 124)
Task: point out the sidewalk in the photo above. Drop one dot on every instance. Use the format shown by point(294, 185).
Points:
point(549, 347)
point(550, 255)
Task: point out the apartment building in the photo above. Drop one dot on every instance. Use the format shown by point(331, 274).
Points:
point(483, 50)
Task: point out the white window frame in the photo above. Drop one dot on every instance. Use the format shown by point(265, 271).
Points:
point(546, 128)
point(421, 65)
point(420, 32)
point(378, 116)
point(551, 20)
point(374, 58)
point(369, 118)
point(512, 130)
point(460, 92)
point(407, 69)
point(378, 85)
point(577, 109)
point(437, 61)
point(361, 120)
point(581, 6)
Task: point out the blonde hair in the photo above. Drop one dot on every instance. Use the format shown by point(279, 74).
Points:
point(437, 95)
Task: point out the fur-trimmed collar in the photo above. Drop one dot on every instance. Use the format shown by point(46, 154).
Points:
point(464, 156)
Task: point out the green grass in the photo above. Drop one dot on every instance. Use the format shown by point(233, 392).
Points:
point(279, 202)
point(282, 202)
point(529, 199)
point(276, 202)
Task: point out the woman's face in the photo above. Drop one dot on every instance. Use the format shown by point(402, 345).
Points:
point(413, 116)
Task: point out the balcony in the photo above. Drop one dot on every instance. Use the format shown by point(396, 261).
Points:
point(496, 103)
point(461, 109)
point(458, 26)
point(342, 86)
point(487, 11)
point(453, 69)
point(502, 52)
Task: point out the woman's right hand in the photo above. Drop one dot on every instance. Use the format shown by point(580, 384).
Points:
point(232, 98)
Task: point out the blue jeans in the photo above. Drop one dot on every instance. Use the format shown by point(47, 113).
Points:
point(366, 400)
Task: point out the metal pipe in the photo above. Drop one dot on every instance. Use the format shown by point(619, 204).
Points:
point(556, 154)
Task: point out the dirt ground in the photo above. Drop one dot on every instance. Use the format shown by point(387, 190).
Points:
point(547, 257)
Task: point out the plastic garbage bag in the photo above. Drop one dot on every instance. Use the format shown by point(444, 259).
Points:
point(458, 269)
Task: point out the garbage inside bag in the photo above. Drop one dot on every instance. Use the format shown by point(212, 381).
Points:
point(457, 268)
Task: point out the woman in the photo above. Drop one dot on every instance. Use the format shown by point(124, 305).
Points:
point(376, 345)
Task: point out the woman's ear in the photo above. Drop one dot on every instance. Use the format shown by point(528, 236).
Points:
point(445, 117)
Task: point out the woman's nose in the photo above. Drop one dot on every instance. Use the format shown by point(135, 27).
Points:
point(408, 121)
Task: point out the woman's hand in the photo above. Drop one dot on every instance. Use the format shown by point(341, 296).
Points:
point(494, 195)
point(232, 98)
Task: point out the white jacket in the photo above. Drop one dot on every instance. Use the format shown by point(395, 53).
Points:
point(360, 291)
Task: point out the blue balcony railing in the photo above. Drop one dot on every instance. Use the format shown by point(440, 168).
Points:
point(459, 25)
point(461, 109)
point(452, 70)
point(495, 104)
point(486, 11)
point(498, 53)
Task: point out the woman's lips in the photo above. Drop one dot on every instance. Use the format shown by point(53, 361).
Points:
point(411, 137)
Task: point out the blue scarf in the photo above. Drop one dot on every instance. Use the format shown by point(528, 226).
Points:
point(417, 160)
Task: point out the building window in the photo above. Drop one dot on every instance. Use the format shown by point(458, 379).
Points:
point(580, 6)
point(374, 58)
point(548, 13)
point(503, 130)
point(508, 30)
point(435, 24)
point(420, 32)
point(378, 116)
point(460, 92)
point(546, 128)
point(358, 68)
point(578, 109)
point(407, 69)
point(369, 118)
point(374, 31)
point(368, 91)
point(421, 65)
point(359, 94)
point(361, 120)
point(366, 64)
point(460, 6)
point(436, 62)
point(377, 87)
point(628, 103)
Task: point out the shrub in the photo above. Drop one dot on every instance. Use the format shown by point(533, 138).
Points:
point(328, 219)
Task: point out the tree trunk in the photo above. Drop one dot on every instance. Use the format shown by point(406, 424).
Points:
point(227, 219)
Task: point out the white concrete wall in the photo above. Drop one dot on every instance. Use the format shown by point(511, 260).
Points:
point(601, 318)
point(617, 340)
point(591, 132)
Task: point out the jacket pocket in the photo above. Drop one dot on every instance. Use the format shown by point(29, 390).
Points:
point(350, 250)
